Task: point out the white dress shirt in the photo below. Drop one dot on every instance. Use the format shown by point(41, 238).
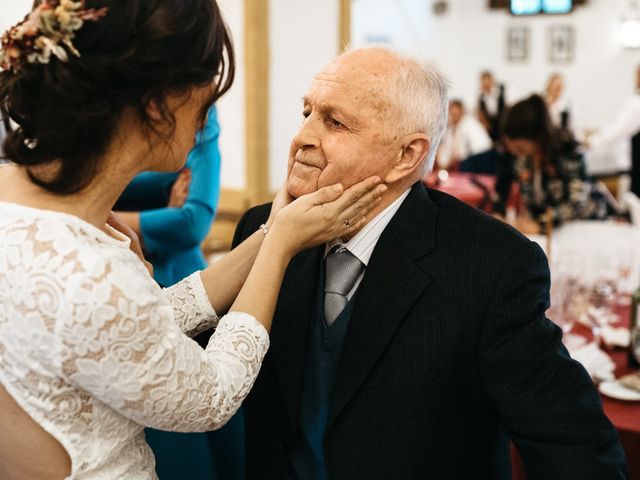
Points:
point(609, 149)
point(624, 126)
point(364, 242)
point(463, 140)
point(491, 100)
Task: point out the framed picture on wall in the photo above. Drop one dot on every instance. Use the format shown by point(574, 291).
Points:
point(561, 43)
point(517, 46)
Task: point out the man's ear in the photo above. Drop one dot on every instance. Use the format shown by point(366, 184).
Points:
point(410, 158)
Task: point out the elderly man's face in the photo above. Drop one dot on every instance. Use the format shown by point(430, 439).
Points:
point(348, 131)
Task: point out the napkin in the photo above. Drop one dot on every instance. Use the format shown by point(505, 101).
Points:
point(595, 361)
point(615, 336)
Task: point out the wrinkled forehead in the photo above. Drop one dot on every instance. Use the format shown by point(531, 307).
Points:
point(358, 85)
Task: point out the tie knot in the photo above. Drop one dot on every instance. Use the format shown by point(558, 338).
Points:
point(343, 269)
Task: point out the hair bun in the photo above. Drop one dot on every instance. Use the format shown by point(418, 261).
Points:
point(69, 110)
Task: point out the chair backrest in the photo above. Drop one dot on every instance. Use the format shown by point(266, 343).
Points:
point(485, 162)
point(632, 202)
point(611, 200)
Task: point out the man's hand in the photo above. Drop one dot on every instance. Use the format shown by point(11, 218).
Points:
point(135, 246)
point(180, 189)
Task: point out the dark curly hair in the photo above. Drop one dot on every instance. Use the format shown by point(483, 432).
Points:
point(529, 119)
point(141, 51)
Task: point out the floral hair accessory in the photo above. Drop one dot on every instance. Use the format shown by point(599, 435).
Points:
point(46, 31)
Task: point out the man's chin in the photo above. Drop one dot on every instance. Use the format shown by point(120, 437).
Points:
point(296, 188)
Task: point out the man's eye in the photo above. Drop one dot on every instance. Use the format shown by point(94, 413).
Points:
point(335, 123)
point(306, 113)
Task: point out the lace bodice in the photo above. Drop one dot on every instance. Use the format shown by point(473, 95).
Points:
point(93, 350)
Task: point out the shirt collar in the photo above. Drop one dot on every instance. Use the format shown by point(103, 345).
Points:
point(363, 243)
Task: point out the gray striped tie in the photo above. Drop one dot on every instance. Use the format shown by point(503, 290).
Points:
point(342, 270)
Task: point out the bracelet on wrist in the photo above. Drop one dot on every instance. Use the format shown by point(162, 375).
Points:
point(263, 228)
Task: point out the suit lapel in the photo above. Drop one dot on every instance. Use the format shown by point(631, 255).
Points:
point(392, 283)
point(290, 330)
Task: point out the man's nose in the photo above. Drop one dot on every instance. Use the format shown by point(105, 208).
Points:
point(308, 135)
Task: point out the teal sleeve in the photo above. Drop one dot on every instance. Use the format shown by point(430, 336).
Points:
point(166, 230)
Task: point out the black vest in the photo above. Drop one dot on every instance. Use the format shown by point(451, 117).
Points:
point(321, 366)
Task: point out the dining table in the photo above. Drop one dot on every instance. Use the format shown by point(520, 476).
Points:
point(593, 251)
point(623, 414)
point(475, 189)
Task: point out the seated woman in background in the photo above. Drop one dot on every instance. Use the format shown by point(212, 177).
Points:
point(548, 169)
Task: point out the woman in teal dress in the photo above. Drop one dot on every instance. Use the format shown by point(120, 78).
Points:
point(171, 236)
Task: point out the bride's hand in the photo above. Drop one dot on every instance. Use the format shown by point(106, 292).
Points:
point(324, 215)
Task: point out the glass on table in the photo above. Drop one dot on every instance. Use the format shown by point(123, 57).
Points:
point(565, 267)
point(624, 263)
point(600, 312)
point(562, 287)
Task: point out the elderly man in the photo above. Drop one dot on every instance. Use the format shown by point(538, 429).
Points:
point(414, 349)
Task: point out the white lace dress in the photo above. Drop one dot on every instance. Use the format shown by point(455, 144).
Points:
point(92, 349)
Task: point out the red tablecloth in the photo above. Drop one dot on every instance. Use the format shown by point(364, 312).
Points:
point(472, 188)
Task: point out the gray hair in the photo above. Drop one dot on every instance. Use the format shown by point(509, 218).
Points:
point(420, 92)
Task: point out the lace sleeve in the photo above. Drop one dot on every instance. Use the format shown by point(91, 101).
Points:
point(132, 356)
point(192, 309)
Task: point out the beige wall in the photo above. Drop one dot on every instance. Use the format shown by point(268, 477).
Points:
point(231, 107)
point(303, 36)
point(11, 11)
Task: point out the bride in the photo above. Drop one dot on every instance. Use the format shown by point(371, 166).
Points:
point(91, 349)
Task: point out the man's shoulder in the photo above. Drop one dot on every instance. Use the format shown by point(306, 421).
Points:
point(458, 219)
point(258, 213)
point(469, 238)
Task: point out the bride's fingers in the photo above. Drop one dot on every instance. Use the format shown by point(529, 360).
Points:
point(364, 204)
point(351, 227)
point(354, 193)
point(324, 195)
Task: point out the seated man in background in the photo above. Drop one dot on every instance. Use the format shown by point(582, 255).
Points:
point(465, 136)
point(417, 347)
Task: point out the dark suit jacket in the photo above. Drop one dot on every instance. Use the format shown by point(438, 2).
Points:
point(447, 352)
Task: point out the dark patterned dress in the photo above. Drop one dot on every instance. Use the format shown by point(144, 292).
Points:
point(559, 188)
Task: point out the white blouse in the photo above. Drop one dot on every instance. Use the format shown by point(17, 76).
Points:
point(93, 350)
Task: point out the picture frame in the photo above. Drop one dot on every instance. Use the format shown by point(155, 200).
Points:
point(561, 43)
point(517, 44)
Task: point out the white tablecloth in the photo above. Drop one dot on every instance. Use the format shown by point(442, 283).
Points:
point(593, 249)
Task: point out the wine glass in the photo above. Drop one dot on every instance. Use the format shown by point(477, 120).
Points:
point(599, 313)
point(566, 270)
point(562, 288)
point(625, 262)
